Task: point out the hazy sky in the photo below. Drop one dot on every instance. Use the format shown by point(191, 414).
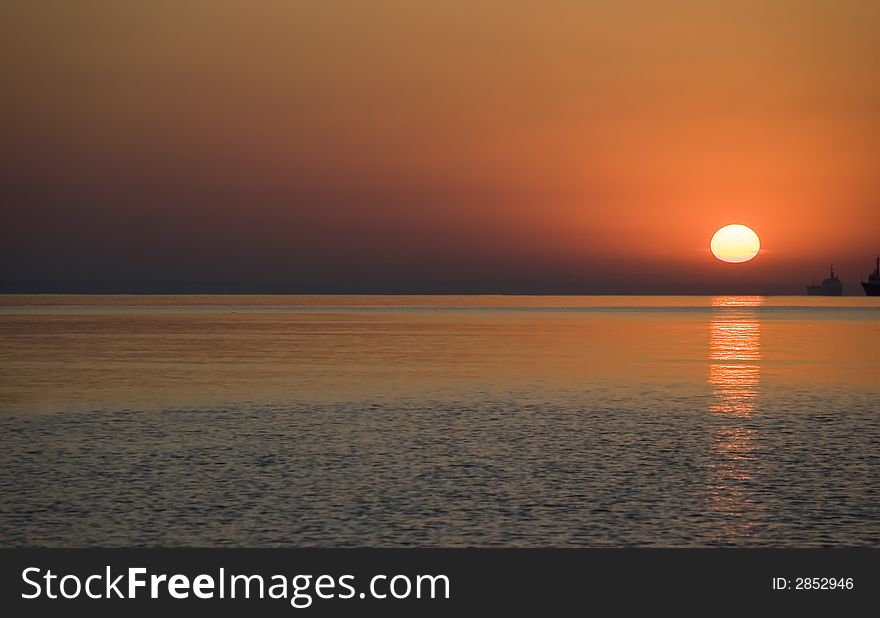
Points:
point(436, 145)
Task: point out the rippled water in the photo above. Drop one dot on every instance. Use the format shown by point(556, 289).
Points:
point(441, 421)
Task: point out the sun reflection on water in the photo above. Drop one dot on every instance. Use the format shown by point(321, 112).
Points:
point(734, 375)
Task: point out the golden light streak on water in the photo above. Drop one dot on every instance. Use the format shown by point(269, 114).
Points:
point(734, 374)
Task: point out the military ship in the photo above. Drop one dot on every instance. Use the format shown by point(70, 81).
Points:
point(872, 285)
point(832, 286)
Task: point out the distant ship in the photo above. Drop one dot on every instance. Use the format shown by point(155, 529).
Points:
point(831, 286)
point(872, 285)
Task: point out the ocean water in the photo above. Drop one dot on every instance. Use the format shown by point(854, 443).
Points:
point(439, 421)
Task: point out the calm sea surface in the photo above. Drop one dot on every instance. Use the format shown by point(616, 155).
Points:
point(439, 421)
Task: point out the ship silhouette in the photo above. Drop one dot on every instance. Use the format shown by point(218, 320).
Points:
point(831, 286)
point(872, 285)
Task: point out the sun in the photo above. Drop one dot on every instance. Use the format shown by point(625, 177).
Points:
point(735, 243)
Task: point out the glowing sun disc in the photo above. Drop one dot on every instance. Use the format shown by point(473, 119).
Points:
point(735, 243)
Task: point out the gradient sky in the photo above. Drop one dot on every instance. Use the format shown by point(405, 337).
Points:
point(436, 146)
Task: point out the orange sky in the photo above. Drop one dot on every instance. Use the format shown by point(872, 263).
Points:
point(437, 145)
